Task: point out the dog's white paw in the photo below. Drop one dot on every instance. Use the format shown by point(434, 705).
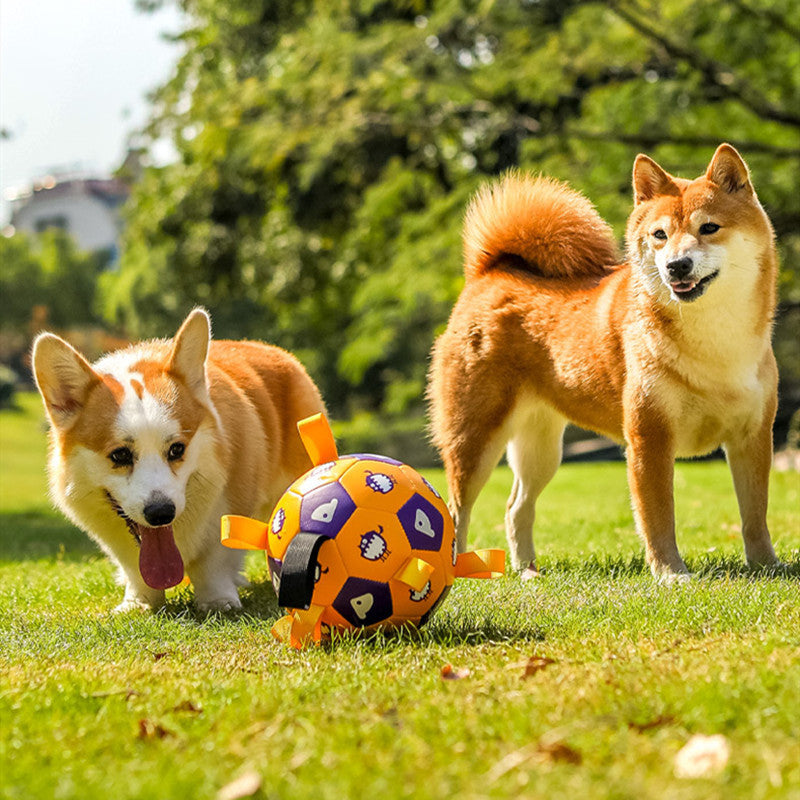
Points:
point(530, 573)
point(675, 578)
point(135, 604)
point(219, 605)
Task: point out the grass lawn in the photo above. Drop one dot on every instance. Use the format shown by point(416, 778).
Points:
point(175, 706)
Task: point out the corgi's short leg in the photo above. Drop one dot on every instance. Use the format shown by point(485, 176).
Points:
point(215, 577)
point(534, 454)
point(124, 552)
point(750, 460)
point(651, 462)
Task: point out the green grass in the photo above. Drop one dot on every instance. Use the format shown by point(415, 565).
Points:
point(175, 706)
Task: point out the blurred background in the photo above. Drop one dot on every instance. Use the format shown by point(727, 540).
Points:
point(301, 167)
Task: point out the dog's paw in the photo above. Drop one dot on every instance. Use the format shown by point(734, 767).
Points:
point(219, 605)
point(531, 572)
point(674, 578)
point(130, 605)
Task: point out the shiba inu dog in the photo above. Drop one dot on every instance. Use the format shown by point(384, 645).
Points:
point(150, 445)
point(669, 352)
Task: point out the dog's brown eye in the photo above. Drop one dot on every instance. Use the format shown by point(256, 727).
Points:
point(709, 227)
point(659, 234)
point(121, 457)
point(176, 451)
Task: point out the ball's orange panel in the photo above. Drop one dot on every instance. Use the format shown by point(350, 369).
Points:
point(412, 604)
point(330, 574)
point(378, 485)
point(283, 524)
point(372, 544)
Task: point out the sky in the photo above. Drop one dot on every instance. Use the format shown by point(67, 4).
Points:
point(74, 75)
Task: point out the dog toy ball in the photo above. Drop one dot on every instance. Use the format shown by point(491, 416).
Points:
point(357, 542)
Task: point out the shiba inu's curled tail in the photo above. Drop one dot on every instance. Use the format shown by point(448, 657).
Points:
point(539, 225)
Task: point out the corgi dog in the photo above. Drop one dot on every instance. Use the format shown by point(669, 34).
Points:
point(152, 444)
point(669, 352)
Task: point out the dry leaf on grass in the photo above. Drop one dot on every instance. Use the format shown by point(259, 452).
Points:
point(188, 707)
point(536, 664)
point(657, 722)
point(702, 756)
point(246, 785)
point(540, 752)
point(557, 751)
point(152, 730)
point(451, 673)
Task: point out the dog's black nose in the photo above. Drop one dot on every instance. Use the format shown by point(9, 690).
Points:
point(680, 267)
point(159, 511)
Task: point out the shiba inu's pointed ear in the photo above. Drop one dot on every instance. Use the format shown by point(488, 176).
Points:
point(649, 180)
point(63, 376)
point(190, 349)
point(728, 170)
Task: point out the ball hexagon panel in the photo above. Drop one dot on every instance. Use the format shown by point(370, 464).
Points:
point(413, 604)
point(330, 574)
point(422, 522)
point(283, 524)
point(326, 509)
point(377, 485)
point(372, 544)
point(363, 602)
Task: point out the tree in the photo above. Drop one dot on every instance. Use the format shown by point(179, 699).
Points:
point(47, 271)
point(326, 152)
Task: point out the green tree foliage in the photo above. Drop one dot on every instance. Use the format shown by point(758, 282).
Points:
point(326, 150)
point(50, 272)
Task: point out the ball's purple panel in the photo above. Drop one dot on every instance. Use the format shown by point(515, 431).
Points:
point(422, 523)
point(373, 457)
point(363, 603)
point(325, 510)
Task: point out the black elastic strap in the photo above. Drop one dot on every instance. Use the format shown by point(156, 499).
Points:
point(298, 570)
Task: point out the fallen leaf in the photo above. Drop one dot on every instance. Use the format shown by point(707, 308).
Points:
point(152, 730)
point(127, 692)
point(536, 664)
point(246, 785)
point(702, 756)
point(451, 673)
point(657, 722)
point(188, 707)
point(159, 656)
point(558, 751)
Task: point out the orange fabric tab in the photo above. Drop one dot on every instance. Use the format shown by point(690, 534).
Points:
point(243, 533)
point(481, 564)
point(306, 627)
point(415, 573)
point(318, 439)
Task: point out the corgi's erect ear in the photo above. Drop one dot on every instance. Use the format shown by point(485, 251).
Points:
point(728, 170)
point(190, 349)
point(649, 180)
point(63, 376)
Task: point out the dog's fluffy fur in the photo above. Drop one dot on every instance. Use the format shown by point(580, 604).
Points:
point(153, 443)
point(669, 352)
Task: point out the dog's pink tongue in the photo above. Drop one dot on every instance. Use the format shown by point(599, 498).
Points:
point(160, 561)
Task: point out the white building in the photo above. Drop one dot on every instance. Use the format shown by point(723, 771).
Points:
point(87, 208)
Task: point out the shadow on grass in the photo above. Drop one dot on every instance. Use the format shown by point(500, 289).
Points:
point(35, 535)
